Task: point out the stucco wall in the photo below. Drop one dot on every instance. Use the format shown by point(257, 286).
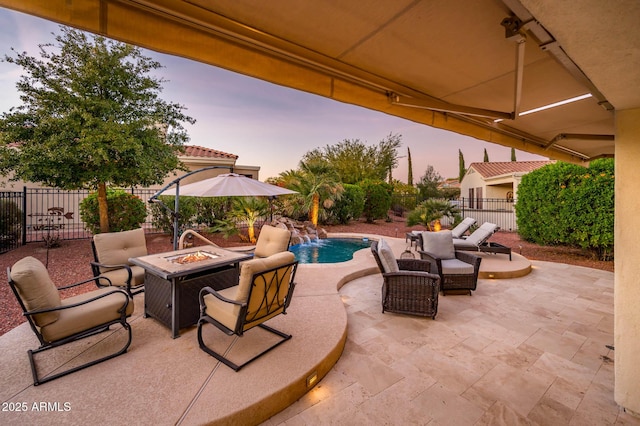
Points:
point(627, 267)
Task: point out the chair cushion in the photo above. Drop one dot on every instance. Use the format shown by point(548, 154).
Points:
point(482, 234)
point(253, 266)
point(115, 248)
point(457, 267)
point(439, 244)
point(462, 227)
point(387, 258)
point(119, 276)
point(84, 317)
point(223, 312)
point(36, 289)
point(460, 243)
point(272, 240)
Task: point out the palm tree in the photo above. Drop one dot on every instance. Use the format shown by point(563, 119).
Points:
point(315, 181)
point(249, 209)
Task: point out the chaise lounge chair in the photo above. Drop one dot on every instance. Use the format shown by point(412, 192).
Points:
point(477, 241)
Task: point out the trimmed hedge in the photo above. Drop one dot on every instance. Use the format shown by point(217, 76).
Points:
point(566, 204)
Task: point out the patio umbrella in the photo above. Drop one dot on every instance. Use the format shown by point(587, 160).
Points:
point(224, 185)
point(230, 185)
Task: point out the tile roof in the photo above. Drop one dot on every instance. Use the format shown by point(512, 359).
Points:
point(200, 151)
point(492, 169)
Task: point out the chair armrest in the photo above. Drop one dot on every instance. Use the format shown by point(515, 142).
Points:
point(425, 255)
point(415, 278)
point(74, 305)
point(418, 274)
point(414, 265)
point(95, 266)
point(88, 280)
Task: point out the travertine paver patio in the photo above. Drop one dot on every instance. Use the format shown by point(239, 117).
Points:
point(529, 350)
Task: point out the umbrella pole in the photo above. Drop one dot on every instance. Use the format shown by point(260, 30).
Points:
point(176, 214)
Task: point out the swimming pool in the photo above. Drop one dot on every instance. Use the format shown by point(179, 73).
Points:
point(329, 250)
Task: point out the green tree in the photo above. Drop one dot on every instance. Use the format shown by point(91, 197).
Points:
point(410, 173)
point(486, 156)
point(429, 182)
point(354, 161)
point(513, 154)
point(350, 206)
point(430, 211)
point(462, 170)
point(126, 211)
point(318, 186)
point(377, 199)
point(249, 209)
point(91, 117)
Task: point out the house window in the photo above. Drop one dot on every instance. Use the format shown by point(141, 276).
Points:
point(479, 198)
point(471, 198)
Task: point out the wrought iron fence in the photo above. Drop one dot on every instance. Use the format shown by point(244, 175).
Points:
point(495, 210)
point(49, 214)
point(11, 220)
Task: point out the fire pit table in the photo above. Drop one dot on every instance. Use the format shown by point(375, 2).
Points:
point(173, 281)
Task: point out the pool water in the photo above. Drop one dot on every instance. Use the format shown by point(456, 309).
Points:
point(329, 250)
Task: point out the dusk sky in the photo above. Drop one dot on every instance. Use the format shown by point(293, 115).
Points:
point(266, 125)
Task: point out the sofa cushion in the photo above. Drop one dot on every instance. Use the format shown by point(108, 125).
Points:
point(439, 244)
point(36, 289)
point(387, 258)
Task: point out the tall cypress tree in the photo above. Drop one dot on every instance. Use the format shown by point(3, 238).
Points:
point(462, 170)
point(513, 154)
point(486, 156)
point(410, 176)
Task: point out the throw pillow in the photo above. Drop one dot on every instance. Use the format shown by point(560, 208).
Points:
point(439, 244)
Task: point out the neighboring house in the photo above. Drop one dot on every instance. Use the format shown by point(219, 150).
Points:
point(495, 180)
point(194, 157)
point(197, 157)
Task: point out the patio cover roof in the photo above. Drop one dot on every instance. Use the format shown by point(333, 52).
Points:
point(458, 65)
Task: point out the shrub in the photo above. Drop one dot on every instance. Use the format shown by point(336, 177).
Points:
point(126, 211)
point(350, 206)
point(163, 219)
point(10, 222)
point(377, 200)
point(429, 211)
point(568, 204)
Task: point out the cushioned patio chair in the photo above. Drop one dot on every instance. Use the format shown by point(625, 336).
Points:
point(462, 227)
point(272, 240)
point(57, 321)
point(457, 270)
point(111, 252)
point(264, 290)
point(408, 287)
point(478, 241)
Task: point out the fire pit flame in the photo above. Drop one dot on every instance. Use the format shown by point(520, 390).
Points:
point(197, 256)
